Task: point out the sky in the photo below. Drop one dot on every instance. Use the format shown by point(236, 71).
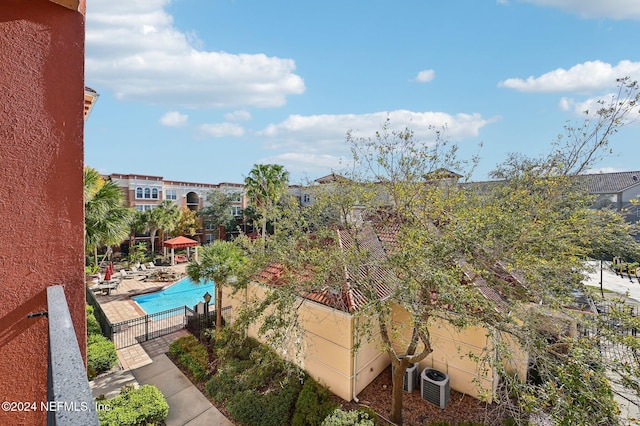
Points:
point(201, 90)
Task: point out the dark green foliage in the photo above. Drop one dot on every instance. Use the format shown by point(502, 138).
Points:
point(340, 417)
point(223, 386)
point(313, 405)
point(193, 355)
point(136, 407)
point(272, 408)
point(93, 326)
point(101, 355)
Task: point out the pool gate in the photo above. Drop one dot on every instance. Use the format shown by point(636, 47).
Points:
point(147, 327)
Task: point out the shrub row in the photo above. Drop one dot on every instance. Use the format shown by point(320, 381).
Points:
point(193, 355)
point(258, 387)
point(101, 352)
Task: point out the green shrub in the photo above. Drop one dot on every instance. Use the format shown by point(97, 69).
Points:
point(101, 355)
point(223, 386)
point(340, 417)
point(143, 406)
point(193, 355)
point(93, 326)
point(273, 408)
point(313, 404)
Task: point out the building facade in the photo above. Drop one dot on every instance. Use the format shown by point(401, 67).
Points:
point(144, 193)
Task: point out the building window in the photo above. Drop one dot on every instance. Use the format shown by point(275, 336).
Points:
point(170, 194)
point(209, 238)
point(144, 207)
point(236, 210)
point(138, 192)
point(306, 198)
point(147, 193)
point(209, 226)
point(236, 197)
point(154, 193)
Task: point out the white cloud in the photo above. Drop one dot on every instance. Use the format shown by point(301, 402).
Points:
point(614, 9)
point(220, 130)
point(425, 76)
point(586, 77)
point(591, 106)
point(133, 49)
point(238, 116)
point(327, 133)
point(174, 119)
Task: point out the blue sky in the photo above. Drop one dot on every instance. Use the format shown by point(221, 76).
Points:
point(200, 90)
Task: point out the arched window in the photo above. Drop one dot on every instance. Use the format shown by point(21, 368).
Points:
point(154, 193)
point(147, 193)
point(138, 192)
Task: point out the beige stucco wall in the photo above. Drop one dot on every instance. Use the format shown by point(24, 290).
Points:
point(451, 354)
point(325, 350)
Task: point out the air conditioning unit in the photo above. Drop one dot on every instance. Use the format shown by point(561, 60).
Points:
point(434, 387)
point(410, 380)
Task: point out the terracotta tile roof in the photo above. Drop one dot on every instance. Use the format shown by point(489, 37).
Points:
point(371, 279)
point(358, 284)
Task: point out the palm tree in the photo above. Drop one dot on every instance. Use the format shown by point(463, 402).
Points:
point(218, 262)
point(162, 218)
point(265, 185)
point(106, 219)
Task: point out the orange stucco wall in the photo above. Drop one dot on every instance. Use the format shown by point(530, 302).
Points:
point(41, 172)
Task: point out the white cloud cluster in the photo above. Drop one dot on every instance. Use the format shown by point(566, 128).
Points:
point(220, 130)
point(425, 76)
point(133, 49)
point(239, 115)
point(593, 9)
point(174, 119)
point(591, 106)
point(306, 140)
point(586, 77)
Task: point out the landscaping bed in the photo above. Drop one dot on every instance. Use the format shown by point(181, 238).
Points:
point(251, 385)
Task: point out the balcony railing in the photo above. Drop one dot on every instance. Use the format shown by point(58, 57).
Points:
point(69, 399)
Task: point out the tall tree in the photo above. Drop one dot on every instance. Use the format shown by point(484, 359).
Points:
point(218, 262)
point(219, 210)
point(106, 219)
point(265, 185)
point(162, 218)
point(501, 256)
point(187, 223)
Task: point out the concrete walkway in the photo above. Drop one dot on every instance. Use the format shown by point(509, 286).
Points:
point(187, 405)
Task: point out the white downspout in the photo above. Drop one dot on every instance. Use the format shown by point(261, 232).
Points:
point(355, 364)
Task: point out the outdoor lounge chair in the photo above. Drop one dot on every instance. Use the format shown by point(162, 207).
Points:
point(126, 275)
point(140, 272)
point(181, 258)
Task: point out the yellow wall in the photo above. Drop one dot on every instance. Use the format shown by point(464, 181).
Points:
point(451, 349)
point(326, 350)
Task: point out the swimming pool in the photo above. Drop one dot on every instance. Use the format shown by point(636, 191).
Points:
point(184, 292)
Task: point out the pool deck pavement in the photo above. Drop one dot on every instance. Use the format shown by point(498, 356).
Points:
point(146, 363)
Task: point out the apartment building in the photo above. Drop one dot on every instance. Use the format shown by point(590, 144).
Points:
point(145, 193)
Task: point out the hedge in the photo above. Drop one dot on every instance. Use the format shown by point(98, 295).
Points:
point(135, 407)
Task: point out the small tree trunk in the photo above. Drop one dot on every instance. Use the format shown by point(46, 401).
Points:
point(400, 366)
point(218, 307)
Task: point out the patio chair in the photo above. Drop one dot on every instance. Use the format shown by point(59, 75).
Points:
point(124, 274)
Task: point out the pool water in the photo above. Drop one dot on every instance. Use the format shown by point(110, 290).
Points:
point(184, 292)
